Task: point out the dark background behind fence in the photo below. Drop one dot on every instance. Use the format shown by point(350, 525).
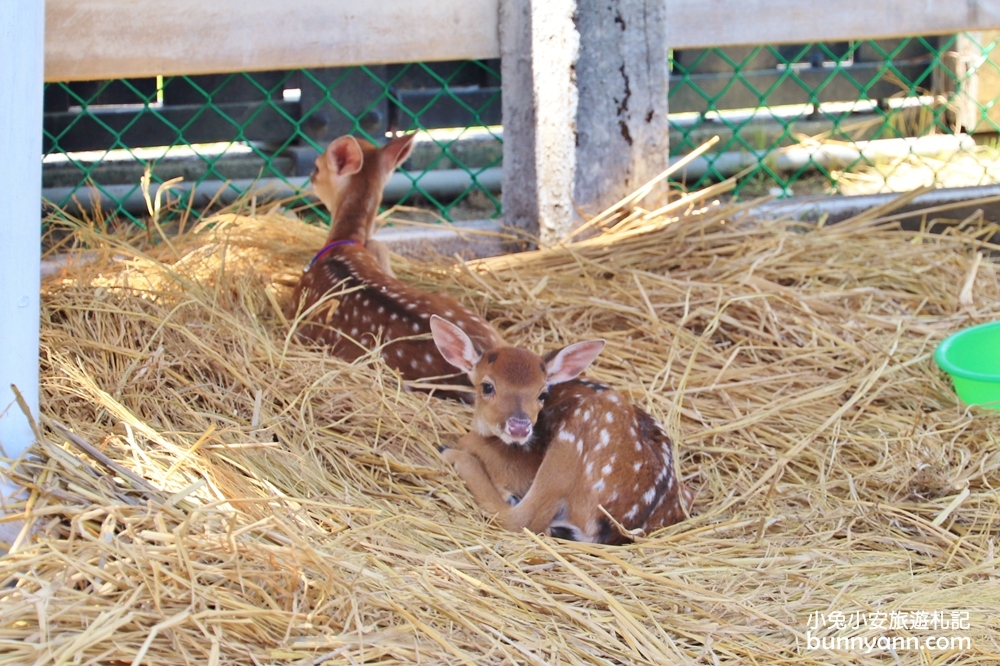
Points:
point(237, 127)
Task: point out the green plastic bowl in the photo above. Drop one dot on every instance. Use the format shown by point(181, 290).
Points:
point(972, 358)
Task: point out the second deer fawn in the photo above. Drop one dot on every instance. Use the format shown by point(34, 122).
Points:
point(348, 297)
point(556, 454)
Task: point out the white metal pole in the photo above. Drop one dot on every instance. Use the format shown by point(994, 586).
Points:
point(21, 80)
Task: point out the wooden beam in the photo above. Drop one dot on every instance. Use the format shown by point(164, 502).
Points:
point(979, 82)
point(705, 23)
point(102, 39)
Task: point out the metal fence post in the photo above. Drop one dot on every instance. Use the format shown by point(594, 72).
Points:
point(21, 70)
point(584, 107)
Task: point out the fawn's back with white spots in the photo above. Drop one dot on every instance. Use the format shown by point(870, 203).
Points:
point(348, 297)
point(586, 458)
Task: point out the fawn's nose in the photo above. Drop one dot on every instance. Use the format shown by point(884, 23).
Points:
point(519, 428)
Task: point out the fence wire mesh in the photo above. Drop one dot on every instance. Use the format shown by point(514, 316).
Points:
point(849, 117)
point(224, 134)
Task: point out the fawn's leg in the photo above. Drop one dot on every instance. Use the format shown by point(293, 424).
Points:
point(511, 468)
point(536, 510)
point(477, 480)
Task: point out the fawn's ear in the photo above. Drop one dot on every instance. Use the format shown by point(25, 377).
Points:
point(454, 344)
point(344, 156)
point(571, 360)
point(395, 153)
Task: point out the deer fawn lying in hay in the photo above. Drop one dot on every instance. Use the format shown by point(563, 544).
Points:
point(347, 296)
point(548, 451)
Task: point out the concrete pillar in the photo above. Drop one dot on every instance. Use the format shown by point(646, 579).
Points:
point(21, 76)
point(621, 123)
point(538, 49)
point(584, 107)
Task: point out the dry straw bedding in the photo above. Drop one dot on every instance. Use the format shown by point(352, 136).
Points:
point(259, 502)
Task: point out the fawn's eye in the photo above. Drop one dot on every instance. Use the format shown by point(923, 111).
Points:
point(487, 388)
point(543, 396)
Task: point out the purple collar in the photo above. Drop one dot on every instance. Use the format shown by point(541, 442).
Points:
point(327, 248)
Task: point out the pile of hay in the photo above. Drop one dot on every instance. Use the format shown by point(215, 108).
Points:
point(230, 496)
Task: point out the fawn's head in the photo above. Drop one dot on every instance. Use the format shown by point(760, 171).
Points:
point(349, 178)
point(510, 383)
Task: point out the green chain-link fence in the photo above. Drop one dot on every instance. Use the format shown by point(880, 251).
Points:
point(814, 118)
point(223, 134)
point(849, 117)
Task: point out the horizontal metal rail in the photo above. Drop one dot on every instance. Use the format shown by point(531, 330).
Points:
point(198, 37)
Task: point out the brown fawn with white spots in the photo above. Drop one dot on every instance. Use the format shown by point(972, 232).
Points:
point(348, 297)
point(548, 451)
